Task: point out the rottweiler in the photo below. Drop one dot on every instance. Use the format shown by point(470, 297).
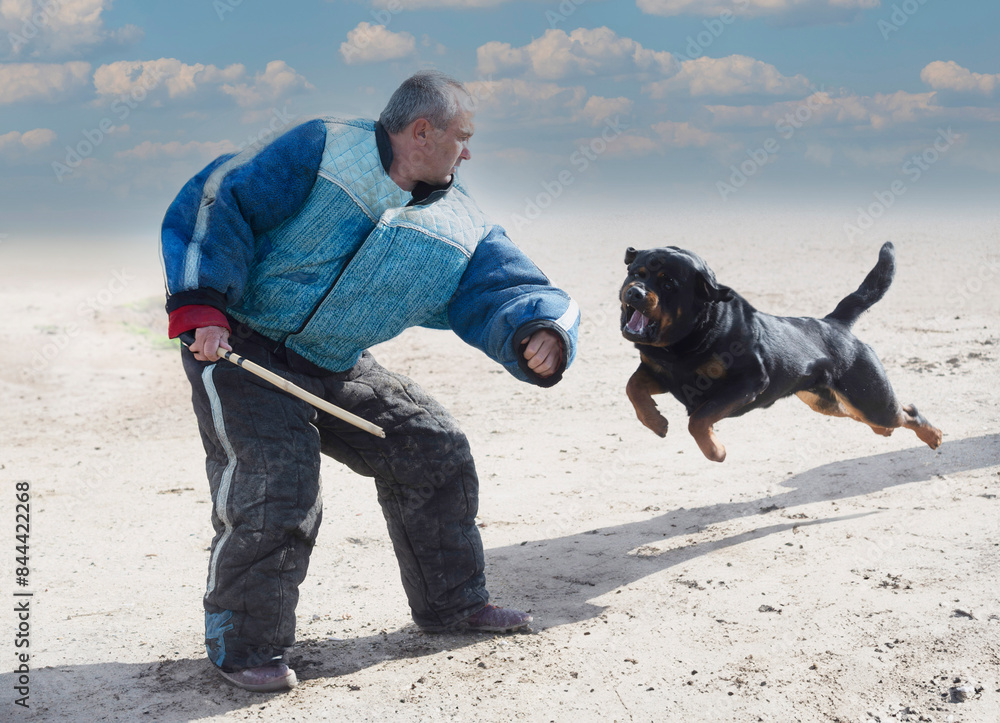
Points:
point(720, 357)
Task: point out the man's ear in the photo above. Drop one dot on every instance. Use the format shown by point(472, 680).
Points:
point(630, 254)
point(421, 126)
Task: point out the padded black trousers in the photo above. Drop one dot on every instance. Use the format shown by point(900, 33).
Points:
point(263, 451)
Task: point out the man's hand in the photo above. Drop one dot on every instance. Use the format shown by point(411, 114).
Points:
point(543, 352)
point(208, 340)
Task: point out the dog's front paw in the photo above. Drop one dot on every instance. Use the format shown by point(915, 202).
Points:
point(708, 443)
point(716, 453)
point(656, 422)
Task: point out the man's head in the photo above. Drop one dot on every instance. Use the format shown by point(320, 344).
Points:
point(429, 120)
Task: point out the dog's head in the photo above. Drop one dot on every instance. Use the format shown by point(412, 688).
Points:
point(663, 294)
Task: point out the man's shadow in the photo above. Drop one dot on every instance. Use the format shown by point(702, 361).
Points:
point(187, 689)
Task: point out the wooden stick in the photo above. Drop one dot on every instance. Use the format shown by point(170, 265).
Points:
point(297, 391)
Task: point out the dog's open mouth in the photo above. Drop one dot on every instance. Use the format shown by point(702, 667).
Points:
point(636, 326)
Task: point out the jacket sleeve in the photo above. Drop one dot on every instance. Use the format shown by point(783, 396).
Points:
point(502, 299)
point(207, 239)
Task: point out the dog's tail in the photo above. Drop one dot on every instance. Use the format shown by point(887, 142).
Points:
point(871, 290)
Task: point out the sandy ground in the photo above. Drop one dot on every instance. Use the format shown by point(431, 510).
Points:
point(822, 573)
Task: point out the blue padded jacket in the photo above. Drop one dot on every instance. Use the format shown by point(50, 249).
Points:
point(309, 242)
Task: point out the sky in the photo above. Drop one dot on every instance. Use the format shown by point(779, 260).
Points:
point(108, 107)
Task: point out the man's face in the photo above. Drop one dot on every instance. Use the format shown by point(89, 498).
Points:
point(447, 148)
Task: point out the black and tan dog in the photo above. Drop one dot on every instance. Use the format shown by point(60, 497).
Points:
point(720, 357)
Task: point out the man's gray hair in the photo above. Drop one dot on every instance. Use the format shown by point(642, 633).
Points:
point(427, 94)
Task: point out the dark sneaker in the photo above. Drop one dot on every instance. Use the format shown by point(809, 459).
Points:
point(265, 679)
point(493, 619)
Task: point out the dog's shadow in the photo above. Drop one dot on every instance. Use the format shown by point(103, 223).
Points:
point(538, 569)
point(618, 556)
point(187, 689)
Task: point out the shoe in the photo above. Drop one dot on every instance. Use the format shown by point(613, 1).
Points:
point(493, 619)
point(265, 679)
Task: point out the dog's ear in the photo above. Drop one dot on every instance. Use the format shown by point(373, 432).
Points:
point(711, 289)
point(630, 254)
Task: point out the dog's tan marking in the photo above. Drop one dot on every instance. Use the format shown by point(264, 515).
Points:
point(651, 363)
point(708, 443)
point(712, 369)
point(905, 417)
point(701, 425)
point(640, 389)
point(927, 432)
point(823, 406)
point(657, 314)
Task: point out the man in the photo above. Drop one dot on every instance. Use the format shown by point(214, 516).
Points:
point(300, 255)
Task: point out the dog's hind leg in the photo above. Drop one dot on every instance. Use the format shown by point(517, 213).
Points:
point(865, 394)
point(826, 401)
point(928, 433)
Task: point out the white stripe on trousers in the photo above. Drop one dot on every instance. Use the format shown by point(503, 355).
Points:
point(222, 497)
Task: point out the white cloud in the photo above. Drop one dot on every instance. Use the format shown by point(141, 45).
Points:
point(148, 150)
point(884, 155)
point(279, 80)
point(177, 79)
point(14, 142)
point(684, 135)
point(732, 75)
point(544, 103)
point(57, 28)
point(8, 140)
point(633, 145)
point(878, 112)
point(170, 79)
point(949, 75)
point(662, 137)
point(369, 43)
point(20, 82)
point(397, 6)
point(547, 103)
point(582, 52)
point(428, 42)
point(800, 10)
point(38, 138)
point(597, 109)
